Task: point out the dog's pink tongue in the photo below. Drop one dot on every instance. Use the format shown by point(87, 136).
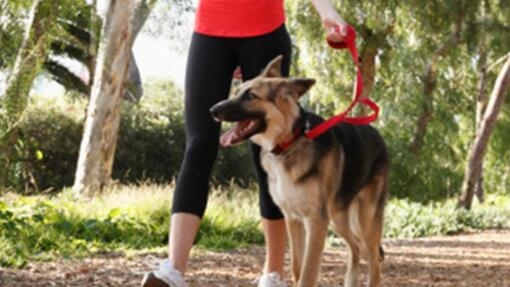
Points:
point(235, 134)
point(227, 139)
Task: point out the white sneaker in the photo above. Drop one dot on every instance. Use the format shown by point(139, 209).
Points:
point(272, 279)
point(166, 274)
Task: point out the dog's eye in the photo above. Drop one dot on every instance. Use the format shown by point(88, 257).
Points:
point(249, 96)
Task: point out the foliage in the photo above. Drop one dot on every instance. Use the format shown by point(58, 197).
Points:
point(11, 30)
point(416, 41)
point(150, 145)
point(172, 20)
point(152, 139)
point(51, 131)
point(232, 219)
point(78, 27)
point(151, 133)
point(14, 100)
point(128, 218)
point(41, 227)
point(404, 218)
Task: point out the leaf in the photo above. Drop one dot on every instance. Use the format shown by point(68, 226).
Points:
point(39, 155)
point(38, 217)
point(114, 213)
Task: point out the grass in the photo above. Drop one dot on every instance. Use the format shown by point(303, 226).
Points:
point(132, 218)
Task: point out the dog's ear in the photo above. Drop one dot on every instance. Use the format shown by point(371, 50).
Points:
point(300, 85)
point(274, 68)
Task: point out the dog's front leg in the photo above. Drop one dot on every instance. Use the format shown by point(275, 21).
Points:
point(316, 230)
point(296, 232)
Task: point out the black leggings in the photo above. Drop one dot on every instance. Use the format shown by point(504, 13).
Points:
point(211, 63)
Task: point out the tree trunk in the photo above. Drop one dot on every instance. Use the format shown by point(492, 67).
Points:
point(103, 113)
point(481, 104)
point(95, 23)
point(372, 42)
point(427, 107)
point(123, 23)
point(474, 166)
point(429, 86)
point(134, 91)
point(28, 61)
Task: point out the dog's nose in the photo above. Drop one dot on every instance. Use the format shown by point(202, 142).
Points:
point(215, 112)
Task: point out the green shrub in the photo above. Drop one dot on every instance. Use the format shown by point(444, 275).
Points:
point(424, 179)
point(52, 133)
point(404, 218)
point(150, 144)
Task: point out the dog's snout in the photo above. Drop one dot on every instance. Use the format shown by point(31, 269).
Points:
point(215, 111)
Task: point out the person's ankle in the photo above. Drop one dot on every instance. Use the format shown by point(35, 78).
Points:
point(271, 279)
point(176, 266)
point(279, 271)
point(169, 274)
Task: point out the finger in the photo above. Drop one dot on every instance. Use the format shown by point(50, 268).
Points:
point(343, 30)
point(335, 34)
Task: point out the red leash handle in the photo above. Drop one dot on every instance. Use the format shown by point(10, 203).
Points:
point(348, 43)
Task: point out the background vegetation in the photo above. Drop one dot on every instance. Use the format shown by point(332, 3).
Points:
point(135, 218)
point(150, 145)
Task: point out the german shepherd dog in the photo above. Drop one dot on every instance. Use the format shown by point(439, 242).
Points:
point(341, 177)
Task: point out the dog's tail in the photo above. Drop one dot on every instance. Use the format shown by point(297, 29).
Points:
point(381, 253)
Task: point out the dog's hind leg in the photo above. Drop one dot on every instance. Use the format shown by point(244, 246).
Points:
point(296, 231)
point(316, 231)
point(371, 219)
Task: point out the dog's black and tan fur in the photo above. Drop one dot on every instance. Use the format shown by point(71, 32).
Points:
point(339, 178)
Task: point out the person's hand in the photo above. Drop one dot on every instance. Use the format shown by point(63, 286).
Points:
point(335, 26)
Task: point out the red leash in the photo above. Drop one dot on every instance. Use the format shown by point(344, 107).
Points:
point(349, 43)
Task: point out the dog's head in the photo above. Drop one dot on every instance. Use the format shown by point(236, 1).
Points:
point(265, 109)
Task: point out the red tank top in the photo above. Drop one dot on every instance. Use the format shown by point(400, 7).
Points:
point(238, 18)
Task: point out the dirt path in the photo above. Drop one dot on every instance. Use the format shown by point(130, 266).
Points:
point(479, 259)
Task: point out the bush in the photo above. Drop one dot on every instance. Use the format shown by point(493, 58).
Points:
point(150, 145)
point(422, 179)
point(404, 218)
point(52, 134)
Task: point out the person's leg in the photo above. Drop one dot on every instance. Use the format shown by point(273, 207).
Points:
point(184, 228)
point(273, 223)
point(254, 55)
point(276, 240)
point(209, 70)
point(208, 79)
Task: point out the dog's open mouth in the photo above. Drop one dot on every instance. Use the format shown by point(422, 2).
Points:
point(239, 132)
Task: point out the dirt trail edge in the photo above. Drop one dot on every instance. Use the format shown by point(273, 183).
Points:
point(479, 259)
